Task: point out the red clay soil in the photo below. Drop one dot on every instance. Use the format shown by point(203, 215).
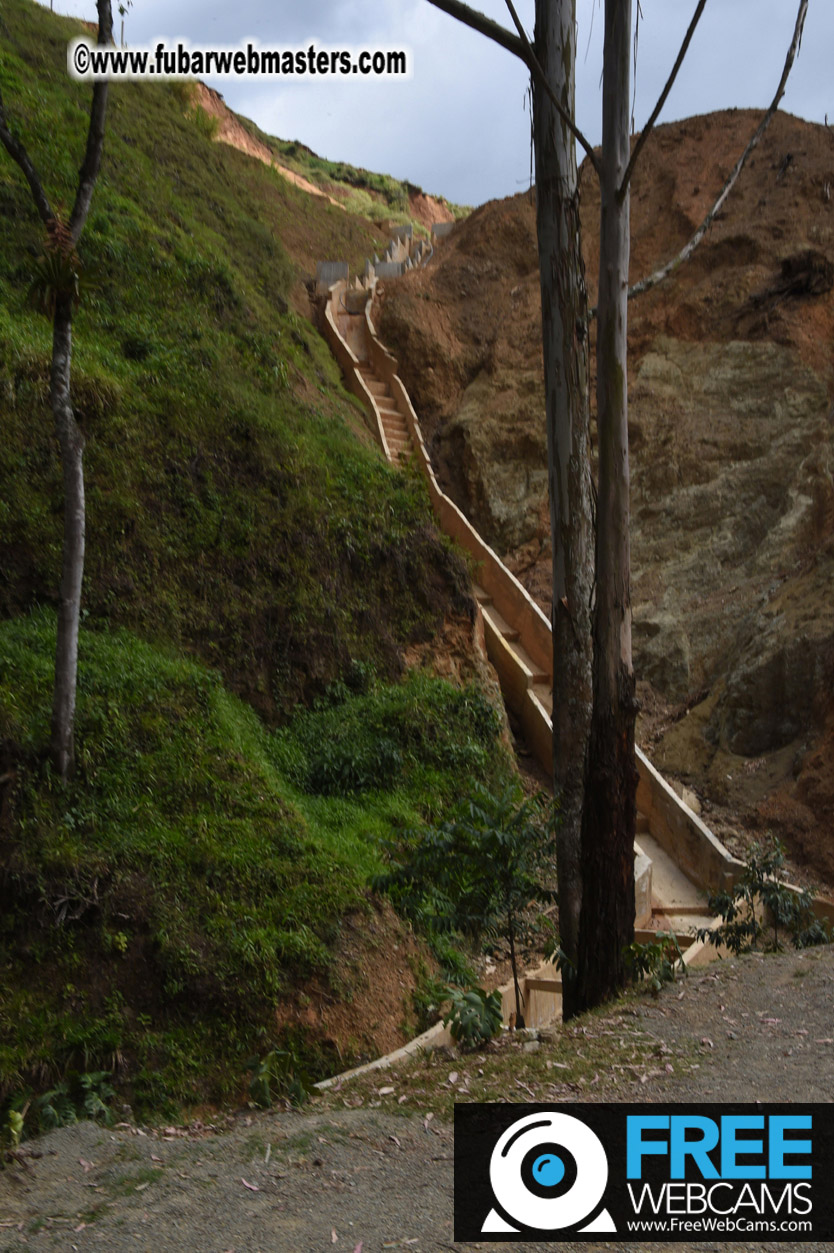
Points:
point(760, 287)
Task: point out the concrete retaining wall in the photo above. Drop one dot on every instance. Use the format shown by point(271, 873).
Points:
point(687, 840)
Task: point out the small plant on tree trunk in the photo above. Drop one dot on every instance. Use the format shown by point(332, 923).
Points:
point(56, 288)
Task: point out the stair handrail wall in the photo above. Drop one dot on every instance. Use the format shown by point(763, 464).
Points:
point(511, 599)
point(349, 363)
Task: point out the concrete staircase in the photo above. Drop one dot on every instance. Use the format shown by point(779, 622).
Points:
point(394, 426)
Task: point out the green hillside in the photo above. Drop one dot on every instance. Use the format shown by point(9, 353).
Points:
point(246, 734)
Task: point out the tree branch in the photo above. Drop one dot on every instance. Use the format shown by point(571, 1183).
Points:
point(483, 25)
point(18, 153)
point(647, 129)
point(95, 134)
point(685, 253)
point(534, 65)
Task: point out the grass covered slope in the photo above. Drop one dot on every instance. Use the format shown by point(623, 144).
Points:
point(198, 867)
point(230, 507)
point(245, 737)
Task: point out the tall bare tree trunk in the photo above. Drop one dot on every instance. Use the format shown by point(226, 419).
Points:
point(61, 242)
point(564, 337)
point(610, 802)
point(71, 442)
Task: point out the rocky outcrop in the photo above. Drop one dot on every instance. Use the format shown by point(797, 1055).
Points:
point(731, 434)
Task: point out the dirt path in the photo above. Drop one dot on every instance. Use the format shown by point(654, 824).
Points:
point(755, 1029)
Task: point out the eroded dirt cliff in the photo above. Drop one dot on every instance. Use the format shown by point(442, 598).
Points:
point(731, 381)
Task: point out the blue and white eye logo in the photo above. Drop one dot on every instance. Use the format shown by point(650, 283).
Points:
point(548, 1172)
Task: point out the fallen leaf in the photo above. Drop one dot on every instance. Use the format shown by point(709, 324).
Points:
point(453, 1077)
point(88, 1166)
point(385, 1091)
point(154, 1158)
point(140, 1187)
point(360, 1246)
point(396, 1141)
point(708, 1042)
point(400, 1099)
point(253, 1187)
point(334, 1239)
point(826, 1040)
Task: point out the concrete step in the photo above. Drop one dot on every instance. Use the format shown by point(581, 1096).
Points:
point(482, 597)
point(500, 623)
point(670, 886)
point(377, 388)
point(544, 693)
point(539, 675)
point(397, 423)
point(642, 824)
point(385, 405)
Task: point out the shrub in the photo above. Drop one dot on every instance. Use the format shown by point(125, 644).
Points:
point(474, 1017)
point(760, 894)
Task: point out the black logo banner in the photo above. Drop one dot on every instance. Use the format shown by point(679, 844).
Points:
point(654, 1172)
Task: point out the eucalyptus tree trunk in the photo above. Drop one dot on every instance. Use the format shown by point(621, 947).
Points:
point(609, 818)
point(62, 238)
point(71, 442)
point(564, 341)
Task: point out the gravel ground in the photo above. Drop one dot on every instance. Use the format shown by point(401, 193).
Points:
point(366, 1179)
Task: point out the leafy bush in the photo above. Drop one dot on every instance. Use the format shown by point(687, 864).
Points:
point(655, 961)
point(478, 872)
point(474, 1017)
point(365, 736)
point(760, 895)
point(280, 1075)
point(76, 1096)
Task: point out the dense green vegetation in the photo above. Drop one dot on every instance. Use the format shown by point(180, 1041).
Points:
point(230, 505)
point(198, 864)
point(246, 737)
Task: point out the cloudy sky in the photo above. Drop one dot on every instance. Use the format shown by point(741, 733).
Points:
point(459, 126)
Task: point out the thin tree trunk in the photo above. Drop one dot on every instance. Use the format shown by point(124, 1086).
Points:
point(71, 443)
point(610, 806)
point(564, 318)
point(519, 1013)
